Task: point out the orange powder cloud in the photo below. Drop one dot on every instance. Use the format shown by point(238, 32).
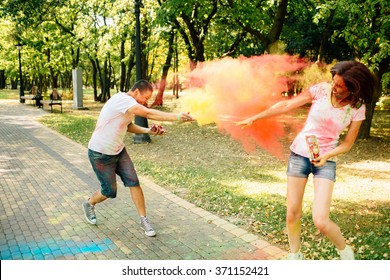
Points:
point(228, 90)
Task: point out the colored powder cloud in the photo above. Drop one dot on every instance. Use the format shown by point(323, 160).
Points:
point(228, 90)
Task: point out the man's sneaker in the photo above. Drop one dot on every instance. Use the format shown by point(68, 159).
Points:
point(145, 225)
point(295, 256)
point(89, 212)
point(347, 253)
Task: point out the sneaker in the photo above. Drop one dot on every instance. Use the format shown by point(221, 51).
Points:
point(145, 225)
point(89, 212)
point(347, 253)
point(295, 256)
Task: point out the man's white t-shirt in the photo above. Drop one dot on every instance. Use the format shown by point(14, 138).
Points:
point(111, 126)
point(325, 121)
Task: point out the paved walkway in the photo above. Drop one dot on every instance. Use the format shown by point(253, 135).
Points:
point(44, 177)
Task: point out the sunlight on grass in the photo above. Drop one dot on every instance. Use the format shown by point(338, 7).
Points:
point(255, 188)
point(77, 127)
point(371, 165)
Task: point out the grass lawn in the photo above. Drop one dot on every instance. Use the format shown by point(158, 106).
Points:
point(214, 172)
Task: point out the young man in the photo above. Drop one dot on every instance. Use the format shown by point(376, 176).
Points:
point(107, 152)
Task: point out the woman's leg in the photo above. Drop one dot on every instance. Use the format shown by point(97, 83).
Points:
point(295, 191)
point(323, 189)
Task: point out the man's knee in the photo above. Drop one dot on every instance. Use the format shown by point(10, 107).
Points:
point(110, 193)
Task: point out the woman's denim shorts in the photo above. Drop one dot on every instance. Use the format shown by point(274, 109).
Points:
point(299, 166)
point(107, 166)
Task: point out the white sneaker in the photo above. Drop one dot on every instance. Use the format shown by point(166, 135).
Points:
point(89, 212)
point(295, 256)
point(147, 227)
point(347, 253)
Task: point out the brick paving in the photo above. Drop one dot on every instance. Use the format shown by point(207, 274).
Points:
point(44, 178)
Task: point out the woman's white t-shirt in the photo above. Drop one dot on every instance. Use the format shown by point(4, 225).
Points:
point(325, 121)
point(111, 126)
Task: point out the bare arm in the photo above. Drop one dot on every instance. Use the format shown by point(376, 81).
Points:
point(133, 128)
point(158, 115)
point(344, 147)
point(280, 108)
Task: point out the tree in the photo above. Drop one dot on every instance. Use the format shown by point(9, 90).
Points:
point(163, 81)
point(366, 32)
point(192, 19)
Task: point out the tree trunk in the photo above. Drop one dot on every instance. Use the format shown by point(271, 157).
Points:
point(123, 67)
point(176, 70)
point(365, 129)
point(101, 80)
point(144, 54)
point(325, 35)
point(2, 79)
point(130, 67)
point(158, 101)
point(94, 79)
point(104, 82)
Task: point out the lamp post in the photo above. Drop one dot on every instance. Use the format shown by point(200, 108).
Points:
point(21, 89)
point(141, 121)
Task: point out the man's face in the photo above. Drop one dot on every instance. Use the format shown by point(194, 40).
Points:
point(142, 98)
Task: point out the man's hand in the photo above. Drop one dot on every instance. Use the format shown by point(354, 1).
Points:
point(185, 117)
point(157, 129)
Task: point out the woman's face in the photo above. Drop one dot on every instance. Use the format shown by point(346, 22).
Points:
point(339, 89)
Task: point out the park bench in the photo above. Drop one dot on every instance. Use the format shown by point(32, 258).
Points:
point(32, 98)
point(51, 103)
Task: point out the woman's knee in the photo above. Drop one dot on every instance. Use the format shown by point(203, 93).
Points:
point(293, 215)
point(321, 223)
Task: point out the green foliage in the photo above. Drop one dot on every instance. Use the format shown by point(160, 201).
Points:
point(61, 35)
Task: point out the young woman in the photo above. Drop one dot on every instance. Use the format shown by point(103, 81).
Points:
point(334, 107)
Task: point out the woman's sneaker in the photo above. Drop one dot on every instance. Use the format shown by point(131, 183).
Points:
point(146, 226)
point(347, 253)
point(295, 256)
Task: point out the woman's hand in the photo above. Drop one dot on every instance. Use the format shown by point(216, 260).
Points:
point(319, 161)
point(246, 122)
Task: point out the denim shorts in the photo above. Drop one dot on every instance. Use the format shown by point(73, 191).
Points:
point(107, 166)
point(299, 166)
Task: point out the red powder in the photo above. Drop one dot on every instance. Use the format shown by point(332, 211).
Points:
point(243, 87)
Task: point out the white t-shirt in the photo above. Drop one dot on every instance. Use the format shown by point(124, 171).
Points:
point(111, 126)
point(325, 121)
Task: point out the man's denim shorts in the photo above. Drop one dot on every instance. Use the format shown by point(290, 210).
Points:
point(299, 166)
point(107, 166)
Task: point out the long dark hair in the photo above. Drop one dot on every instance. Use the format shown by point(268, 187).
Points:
point(359, 80)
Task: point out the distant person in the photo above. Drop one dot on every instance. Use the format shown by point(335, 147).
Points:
point(55, 95)
point(37, 95)
point(107, 152)
point(334, 107)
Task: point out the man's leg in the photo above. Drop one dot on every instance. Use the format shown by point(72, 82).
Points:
point(137, 196)
point(125, 169)
point(104, 168)
point(89, 206)
point(97, 197)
